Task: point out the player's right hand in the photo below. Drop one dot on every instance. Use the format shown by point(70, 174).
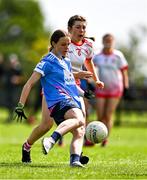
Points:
point(84, 74)
point(19, 112)
point(100, 84)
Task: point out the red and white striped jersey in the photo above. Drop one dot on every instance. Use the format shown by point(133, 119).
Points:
point(109, 71)
point(79, 53)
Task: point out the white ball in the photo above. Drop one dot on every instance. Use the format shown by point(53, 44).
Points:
point(96, 132)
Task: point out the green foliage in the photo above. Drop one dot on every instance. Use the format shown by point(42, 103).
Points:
point(22, 27)
point(20, 21)
point(135, 57)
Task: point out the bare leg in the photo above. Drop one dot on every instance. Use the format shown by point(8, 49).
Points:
point(74, 123)
point(77, 141)
point(37, 132)
point(110, 108)
point(74, 119)
point(105, 110)
point(45, 125)
point(100, 108)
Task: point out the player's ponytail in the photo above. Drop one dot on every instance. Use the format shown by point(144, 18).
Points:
point(91, 38)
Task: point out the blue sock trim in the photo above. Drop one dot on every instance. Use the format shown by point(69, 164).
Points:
point(74, 157)
point(56, 136)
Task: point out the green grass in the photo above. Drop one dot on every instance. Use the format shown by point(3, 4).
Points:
point(127, 118)
point(125, 157)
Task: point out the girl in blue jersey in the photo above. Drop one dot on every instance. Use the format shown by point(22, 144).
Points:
point(47, 122)
point(61, 94)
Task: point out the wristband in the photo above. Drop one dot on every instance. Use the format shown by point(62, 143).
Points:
point(20, 105)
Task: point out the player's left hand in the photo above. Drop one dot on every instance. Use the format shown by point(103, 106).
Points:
point(19, 112)
point(100, 84)
point(126, 94)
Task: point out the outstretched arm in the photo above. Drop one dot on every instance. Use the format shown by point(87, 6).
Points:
point(79, 74)
point(28, 86)
point(125, 78)
point(19, 109)
point(90, 67)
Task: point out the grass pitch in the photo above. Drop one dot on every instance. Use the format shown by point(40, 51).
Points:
point(125, 157)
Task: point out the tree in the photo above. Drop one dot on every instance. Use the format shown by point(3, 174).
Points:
point(136, 59)
point(21, 23)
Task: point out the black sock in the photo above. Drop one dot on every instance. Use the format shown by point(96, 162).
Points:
point(56, 136)
point(74, 157)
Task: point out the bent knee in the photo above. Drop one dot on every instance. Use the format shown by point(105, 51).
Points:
point(81, 122)
point(79, 132)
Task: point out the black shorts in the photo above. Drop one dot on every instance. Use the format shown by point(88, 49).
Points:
point(61, 108)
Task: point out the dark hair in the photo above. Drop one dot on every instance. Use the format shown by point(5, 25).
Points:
point(91, 38)
point(72, 20)
point(56, 36)
point(107, 35)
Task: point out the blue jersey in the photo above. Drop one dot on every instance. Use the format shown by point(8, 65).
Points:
point(57, 80)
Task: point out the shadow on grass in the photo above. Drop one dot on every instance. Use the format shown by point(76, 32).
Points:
point(18, 164)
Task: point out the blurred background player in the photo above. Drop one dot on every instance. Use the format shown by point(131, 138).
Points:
point(2, 70)
point(2, 80)
point(113, 71)
point(13, 83)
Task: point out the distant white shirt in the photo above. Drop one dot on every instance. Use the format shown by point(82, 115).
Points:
point(109, 71)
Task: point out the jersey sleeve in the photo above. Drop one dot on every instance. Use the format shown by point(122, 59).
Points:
point(122, 63)
point(91, 53)
point(43, 68)
point(94, 59)
point(90, 50)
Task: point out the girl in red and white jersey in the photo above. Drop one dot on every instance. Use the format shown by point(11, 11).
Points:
point(81, 52)
point(113, 71)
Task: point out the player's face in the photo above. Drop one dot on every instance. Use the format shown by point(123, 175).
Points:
point(108, 42)
point(61, 47)
point(77, 31)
